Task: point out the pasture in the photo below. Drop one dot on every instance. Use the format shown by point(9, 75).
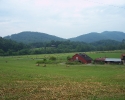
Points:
point(21, 79)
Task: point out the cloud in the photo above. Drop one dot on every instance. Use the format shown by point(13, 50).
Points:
point(64, 18)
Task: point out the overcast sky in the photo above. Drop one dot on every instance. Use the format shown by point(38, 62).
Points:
point(62, 18)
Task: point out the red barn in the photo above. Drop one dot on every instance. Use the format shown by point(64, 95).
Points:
point(82, 58)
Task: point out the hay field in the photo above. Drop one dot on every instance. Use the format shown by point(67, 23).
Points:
point(21, 79)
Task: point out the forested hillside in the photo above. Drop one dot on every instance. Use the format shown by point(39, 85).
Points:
point(32, 37)
point(94, 36)
point(9, 47)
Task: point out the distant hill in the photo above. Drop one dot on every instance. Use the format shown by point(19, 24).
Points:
point(106, 35)
point(32, 37)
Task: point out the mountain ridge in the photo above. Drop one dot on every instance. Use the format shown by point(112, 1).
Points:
point(32, 37)
point(94, 36)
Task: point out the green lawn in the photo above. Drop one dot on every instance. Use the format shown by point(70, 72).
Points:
point(20, 78)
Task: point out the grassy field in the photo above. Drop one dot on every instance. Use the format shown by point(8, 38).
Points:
point(21, 79)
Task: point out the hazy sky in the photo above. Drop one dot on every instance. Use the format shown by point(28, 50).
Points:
point(62, 18)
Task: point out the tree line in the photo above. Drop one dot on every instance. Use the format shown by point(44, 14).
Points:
point(9, 47)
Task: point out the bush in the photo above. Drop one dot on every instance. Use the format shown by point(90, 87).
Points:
point(68, 57)
point(73, 62)
point(42, 61)
point(45, 61)
point(52, 58)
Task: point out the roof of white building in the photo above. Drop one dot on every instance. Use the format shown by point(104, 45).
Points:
point(113, 59)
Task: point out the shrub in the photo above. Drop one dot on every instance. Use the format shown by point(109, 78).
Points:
point(68, 57)
point(73, 62)
point(52, 58)
point(42, 61)
point(45, 61)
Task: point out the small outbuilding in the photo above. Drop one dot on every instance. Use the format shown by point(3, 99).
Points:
point(81, 57)
point(99, 59)
point(113, 60)
point(108, 60)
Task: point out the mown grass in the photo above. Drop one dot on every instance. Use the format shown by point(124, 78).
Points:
point(20, 78)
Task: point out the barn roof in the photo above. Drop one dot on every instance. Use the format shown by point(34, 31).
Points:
point(123, 54)
point(100, 59)
point(113, 59)
point(85, 56)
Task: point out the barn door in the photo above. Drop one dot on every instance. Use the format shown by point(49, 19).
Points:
point(76, 58)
